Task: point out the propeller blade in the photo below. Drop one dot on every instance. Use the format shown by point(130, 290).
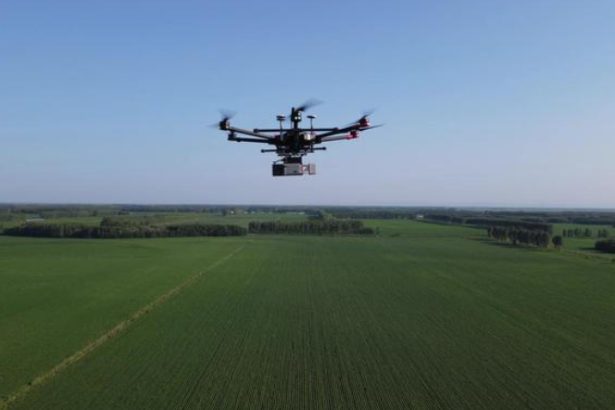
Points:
point(366, 114)
point(312, 102)
point(372, 126)
point(225, 116)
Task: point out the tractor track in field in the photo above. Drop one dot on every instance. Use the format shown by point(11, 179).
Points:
point(111, 334)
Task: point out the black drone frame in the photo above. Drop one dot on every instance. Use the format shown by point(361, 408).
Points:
point(292, 143)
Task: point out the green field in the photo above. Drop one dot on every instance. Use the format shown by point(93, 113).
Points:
point(421, 317)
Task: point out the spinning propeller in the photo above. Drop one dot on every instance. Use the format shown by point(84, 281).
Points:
point(312, 102)
point(225, 119)
point(363, 123)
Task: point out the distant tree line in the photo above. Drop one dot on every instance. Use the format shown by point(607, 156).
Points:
point(519, 235)
point(584, 233)
point(169, 231)
point(311, 227)
point(443, 215)
point(43, 230)
point(487, 222)
point(592, 220)
point(322, 215)
point(55, 211)
point(573, 217)
point(446, 218)
point(127, 221)
point(8, 217)
point(606, 245)
point(205, 230)
point(516, 224)
point(383, 213)
point(486, 217)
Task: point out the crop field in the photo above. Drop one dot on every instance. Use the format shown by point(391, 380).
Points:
point(420, 317)
point(57, 294)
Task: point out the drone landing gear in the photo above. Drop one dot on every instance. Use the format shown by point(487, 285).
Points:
point(292, 166)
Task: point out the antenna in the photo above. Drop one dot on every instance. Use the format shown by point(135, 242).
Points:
point(312, 118)
point(281, 119)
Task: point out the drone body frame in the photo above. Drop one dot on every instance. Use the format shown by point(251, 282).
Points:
point(294, 142)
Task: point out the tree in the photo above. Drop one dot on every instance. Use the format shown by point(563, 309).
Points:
point(538, 237)
point(558, 241)
point(606, 245)
point(311, 227)
point(112, 229)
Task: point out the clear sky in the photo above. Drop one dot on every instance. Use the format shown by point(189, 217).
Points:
point(486, 103)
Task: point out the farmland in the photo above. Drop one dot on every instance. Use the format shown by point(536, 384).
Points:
point(422, 316)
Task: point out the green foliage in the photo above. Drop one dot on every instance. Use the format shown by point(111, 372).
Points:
point(326, 226)
point(606, 245)
point(44, 230)
point(8, 217)
point(110, 229)
point(129, 220)
point(520, 235)
point(558, 241)
point(446, 218)
point(582, 233)
point(375, 213)
point(522, 224)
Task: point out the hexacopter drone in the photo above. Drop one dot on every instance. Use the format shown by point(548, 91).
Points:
point(293, 143)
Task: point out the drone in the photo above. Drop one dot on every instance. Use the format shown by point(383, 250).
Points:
point(294, 142)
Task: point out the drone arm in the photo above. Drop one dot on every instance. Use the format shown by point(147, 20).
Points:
point(293, 129)
point(347, 131)
point(264, 137)
point(336, 131)
point(242, 139)
point(336, 138)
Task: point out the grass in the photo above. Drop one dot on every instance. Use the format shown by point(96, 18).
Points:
point(55, 295)
point(424, 317)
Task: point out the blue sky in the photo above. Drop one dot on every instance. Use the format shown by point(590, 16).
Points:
point(485, 103)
